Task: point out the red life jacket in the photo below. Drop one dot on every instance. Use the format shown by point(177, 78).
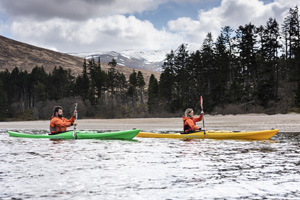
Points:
point(60, 124)
point(187, 128)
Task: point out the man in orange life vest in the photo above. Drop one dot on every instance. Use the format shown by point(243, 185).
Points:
point(189, 121)
point(58, 123)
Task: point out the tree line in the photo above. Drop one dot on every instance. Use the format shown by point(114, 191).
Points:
point(98, 93)
point(251, 69)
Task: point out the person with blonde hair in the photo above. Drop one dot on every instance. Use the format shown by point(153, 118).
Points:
point(189, 121)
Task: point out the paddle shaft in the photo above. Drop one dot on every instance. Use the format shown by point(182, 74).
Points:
point(76, 115)
point(201, 104)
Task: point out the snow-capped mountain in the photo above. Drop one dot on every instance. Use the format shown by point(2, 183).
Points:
point(146, 60)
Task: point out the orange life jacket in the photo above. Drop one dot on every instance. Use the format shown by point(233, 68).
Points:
point(189, 124)
point(60, 124)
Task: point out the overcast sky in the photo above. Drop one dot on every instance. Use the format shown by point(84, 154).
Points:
point(115, 25)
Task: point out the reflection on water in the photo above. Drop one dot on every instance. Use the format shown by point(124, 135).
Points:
point(150, 168)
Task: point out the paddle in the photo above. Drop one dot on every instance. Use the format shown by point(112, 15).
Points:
point(201, 104)
point(76, 115)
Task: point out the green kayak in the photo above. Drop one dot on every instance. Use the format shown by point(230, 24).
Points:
point(124, 135)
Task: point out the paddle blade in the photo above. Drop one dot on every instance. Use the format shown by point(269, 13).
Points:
point(201, 102)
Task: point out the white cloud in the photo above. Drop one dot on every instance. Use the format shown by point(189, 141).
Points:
point(231, 13)
point(183, 24)
point(109, 33)
point(99, 25)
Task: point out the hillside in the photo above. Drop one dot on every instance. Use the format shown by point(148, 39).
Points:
point(25, 56)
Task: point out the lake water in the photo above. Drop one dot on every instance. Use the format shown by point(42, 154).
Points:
point(147, 168)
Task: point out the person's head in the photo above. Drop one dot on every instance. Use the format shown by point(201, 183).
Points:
point(58, 111)
point(189, 112)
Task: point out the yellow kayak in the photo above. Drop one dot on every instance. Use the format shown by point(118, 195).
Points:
point(243, 135)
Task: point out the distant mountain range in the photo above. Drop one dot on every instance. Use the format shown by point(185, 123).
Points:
point(26, 57)
point(146, 60)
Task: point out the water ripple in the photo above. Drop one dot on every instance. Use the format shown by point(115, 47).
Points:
point(149, 168)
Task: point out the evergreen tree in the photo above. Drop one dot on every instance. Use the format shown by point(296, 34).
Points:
point(291, 32)
point(112, 79)
point(197, 78)
point(113, 63)
point(221, 77)
point(182, 79)
point(153, 92)
point(121, 89)
point(62, 84)
point(38, 82)
point(94, 74)
point(100, 78)
point(141, 84)
point(3, 102)
point(167, 82)
point(267, 60)
point(18, 90)
point(227, 34)
point(40, 93)
point(8, 92)
point(208, 69)
point(122, 82)
point(82, 83)
point(247, 45)
point(85, 82)
point(132, 90)
point(166, 88)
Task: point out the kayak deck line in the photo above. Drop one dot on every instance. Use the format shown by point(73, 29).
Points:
point(211, 134)
point(126, 135)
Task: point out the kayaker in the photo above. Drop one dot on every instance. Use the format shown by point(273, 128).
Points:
point(58, 123)
point(189, 121)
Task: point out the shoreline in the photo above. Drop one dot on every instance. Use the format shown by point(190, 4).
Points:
point(245, 122)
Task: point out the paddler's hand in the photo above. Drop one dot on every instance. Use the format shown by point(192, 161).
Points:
point(75, 111)
point(202, 113)
point(74, 124)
